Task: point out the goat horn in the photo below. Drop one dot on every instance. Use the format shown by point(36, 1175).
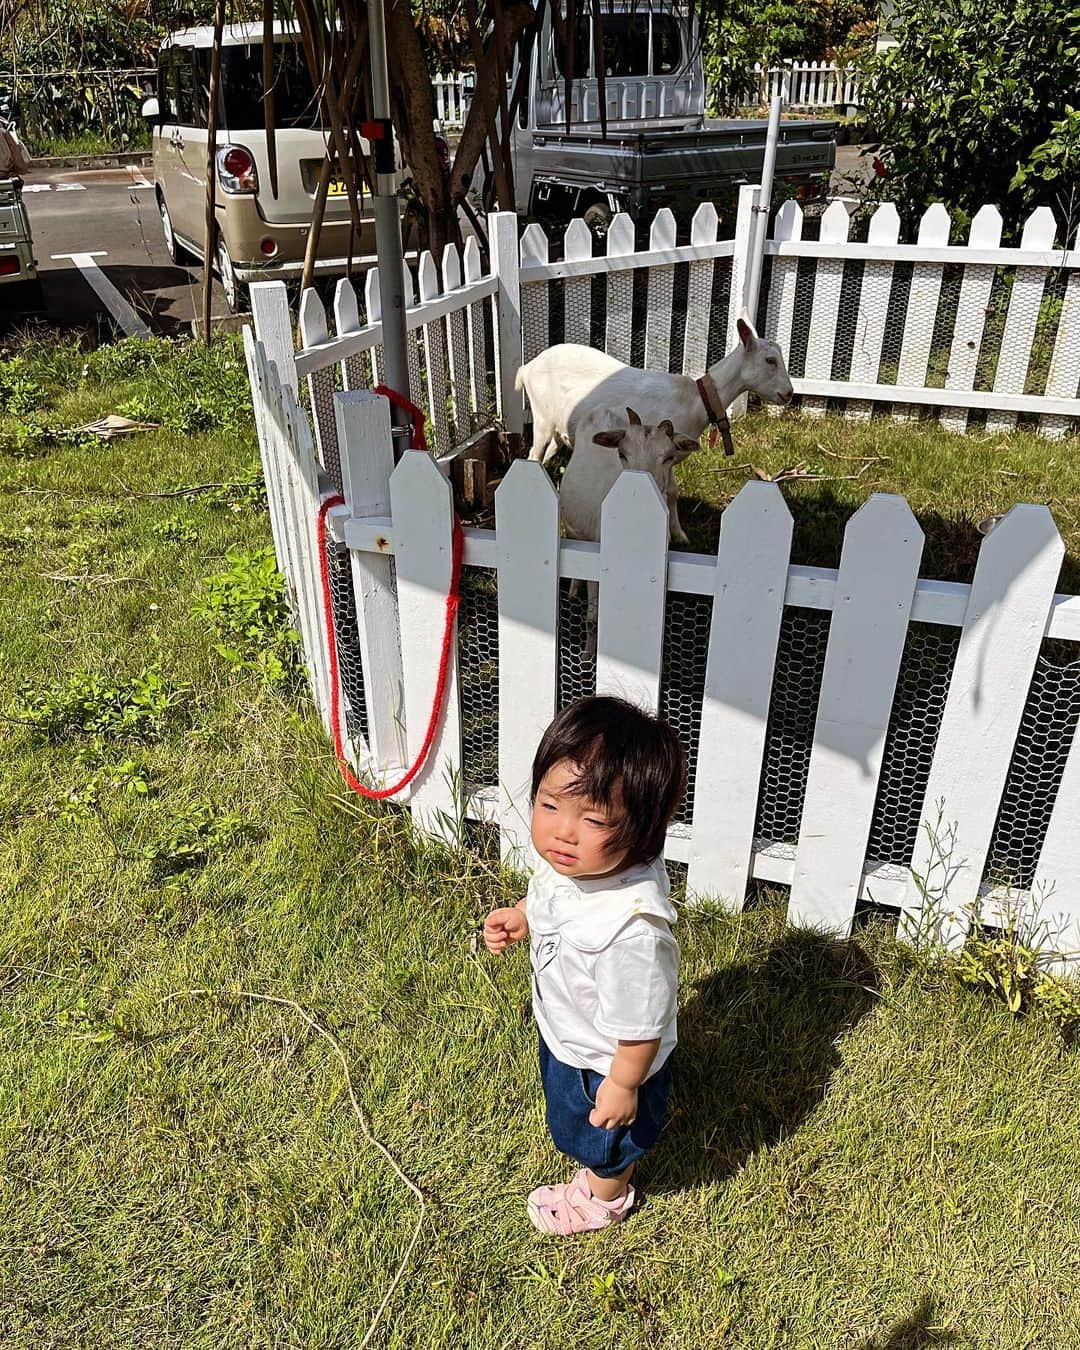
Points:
point(635, 420)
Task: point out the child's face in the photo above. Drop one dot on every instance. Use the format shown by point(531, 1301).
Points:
point(570, 831)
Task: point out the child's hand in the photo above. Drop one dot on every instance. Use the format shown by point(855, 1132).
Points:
point(615, 1106)
point(503, 926)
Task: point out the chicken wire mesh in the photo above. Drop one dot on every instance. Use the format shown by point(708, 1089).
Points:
point(347, 633)
point(478, 677)
point(1047, 729)
point(918, 704)
point(789, 732)
point(1049, 724)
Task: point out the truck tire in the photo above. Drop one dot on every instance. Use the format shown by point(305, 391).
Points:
point(598, 218)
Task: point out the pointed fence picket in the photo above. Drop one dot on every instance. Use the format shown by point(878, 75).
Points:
point(825, 312)
point(620, 289)
point(971, 315)
point(875, 588)
point(661, 290)
point(1063, 380)
point(873, 310)
point(748, 604)
point(633, 584)
point(527, 543)
point(1022, 319)
point(1004, 622)
point(577, 323)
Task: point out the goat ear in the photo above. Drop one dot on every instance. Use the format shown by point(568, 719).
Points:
point(747, 332)
point(611, 439)
point(666, 427)
point(684, 445)
point(635, 420)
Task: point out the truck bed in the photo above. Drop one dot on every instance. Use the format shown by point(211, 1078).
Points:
point(673, 159)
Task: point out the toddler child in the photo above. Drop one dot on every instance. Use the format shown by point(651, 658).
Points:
point(605, 782)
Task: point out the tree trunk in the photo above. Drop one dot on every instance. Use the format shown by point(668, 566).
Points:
point(414, 99)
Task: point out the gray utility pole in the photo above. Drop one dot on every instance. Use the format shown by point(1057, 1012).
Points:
point(752, 288)
point(388, 248)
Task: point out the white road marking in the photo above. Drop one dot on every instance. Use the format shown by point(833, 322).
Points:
point(107, 293)
point(54, 187)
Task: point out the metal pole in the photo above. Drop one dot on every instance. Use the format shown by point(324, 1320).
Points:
point(387, 218)
point(761, 224)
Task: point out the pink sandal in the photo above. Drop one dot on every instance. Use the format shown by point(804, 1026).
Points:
point(572, 1208)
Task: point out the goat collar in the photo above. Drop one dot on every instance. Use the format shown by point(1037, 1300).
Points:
point(717, 414)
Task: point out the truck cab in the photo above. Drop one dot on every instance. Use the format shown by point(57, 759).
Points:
point(659, 148)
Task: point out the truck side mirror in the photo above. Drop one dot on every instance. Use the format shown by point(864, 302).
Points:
point(150, 109)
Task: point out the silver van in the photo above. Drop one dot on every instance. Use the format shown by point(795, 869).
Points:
point(258, 235)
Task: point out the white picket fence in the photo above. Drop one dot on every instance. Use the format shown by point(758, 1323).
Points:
point(853, 708)
point(974, 334)
point(391, 615)
point(453, 95)
point(806, 84)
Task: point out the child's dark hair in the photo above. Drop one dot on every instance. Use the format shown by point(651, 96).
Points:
point(627, 759)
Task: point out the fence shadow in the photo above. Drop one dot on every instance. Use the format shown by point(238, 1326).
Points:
point(914, 1332)
point(757, 1046)
point(821, 516)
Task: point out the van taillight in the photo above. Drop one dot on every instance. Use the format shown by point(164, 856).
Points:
point(8, 267)
point(236, 169)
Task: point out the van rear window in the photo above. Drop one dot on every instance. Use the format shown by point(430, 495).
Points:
point(295, 104)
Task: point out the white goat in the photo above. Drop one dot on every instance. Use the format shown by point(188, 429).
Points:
point(601, 452)
point(572, 389)
point(600, 455)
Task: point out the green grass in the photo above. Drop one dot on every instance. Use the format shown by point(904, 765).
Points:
point(862, 1153)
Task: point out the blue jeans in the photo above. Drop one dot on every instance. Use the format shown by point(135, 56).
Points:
point(571, 1095)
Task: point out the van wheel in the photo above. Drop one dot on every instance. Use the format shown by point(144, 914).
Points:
point(176, 251)
point(236, 292)
point(598, 218)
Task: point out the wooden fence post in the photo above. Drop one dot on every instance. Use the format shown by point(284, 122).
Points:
point(749, 199)
point(273, 328)
point(503, 239)
point(367, 461)
point(527, 544)
point(422, 514)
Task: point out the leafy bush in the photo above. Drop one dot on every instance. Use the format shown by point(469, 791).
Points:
point(19, 394)
point(247, 612)
point(194, 834)
point(95, 705)
point(965, 100)
point(771, 32)
point(194, 389)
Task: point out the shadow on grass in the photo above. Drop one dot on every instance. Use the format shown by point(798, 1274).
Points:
point(914, 1332)
point(757, 1046)
point(821, 516)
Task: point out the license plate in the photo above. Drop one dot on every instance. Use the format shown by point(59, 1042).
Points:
point(337, 188)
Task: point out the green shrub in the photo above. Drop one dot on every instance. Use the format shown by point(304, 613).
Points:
point(246, 610)
point(87, 704)
point(966, 98)
point(194, 834)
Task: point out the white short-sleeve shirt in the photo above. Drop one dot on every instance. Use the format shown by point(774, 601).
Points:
point(605, 963)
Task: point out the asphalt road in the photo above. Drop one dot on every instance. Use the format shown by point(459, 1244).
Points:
point(110, 215)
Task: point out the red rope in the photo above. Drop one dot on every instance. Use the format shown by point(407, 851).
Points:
point(417, 415)
point(331, 637)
